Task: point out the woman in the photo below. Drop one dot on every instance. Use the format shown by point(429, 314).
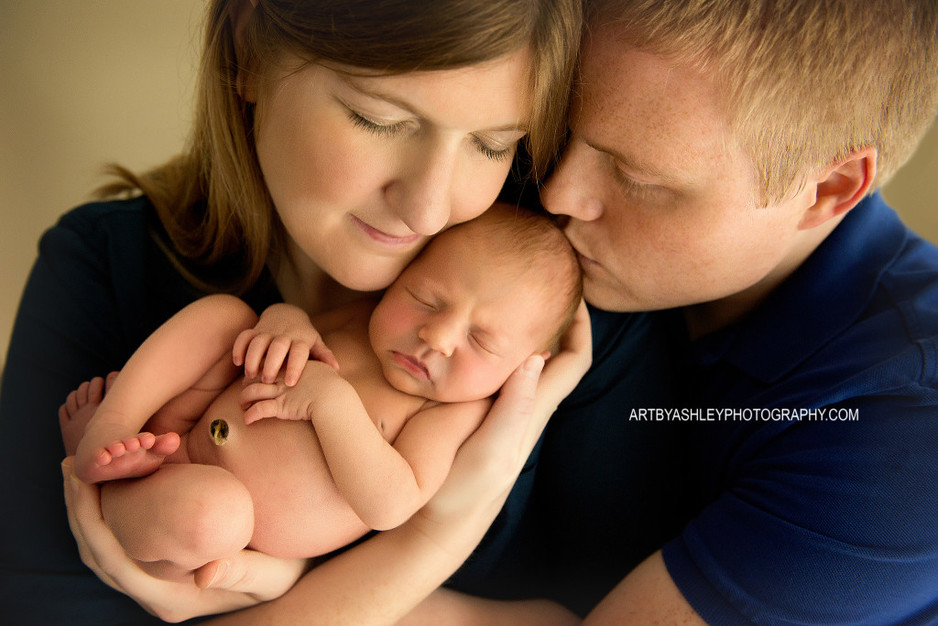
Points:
point(332, 140)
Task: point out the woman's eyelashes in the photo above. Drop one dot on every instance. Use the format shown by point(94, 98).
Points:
point(386, 130)
point(494, 153)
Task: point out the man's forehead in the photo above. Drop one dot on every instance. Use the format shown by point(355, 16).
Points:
point(647, 107)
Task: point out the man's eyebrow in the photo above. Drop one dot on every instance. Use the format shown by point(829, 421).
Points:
point(372, 92)
point(635, 165)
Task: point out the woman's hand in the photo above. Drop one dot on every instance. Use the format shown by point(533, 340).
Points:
point(488, 463)
point(243, 580)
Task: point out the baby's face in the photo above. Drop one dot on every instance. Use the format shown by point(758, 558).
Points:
point(453, 327)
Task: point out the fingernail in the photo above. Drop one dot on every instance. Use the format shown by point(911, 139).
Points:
point(534, 364)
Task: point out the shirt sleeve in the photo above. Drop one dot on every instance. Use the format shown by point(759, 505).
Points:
point(78, 318)
point(832, 521)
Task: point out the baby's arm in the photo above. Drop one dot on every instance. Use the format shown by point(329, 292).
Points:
point(383, 483)
point(284, 333)
point(195, 341)
point(402, 477)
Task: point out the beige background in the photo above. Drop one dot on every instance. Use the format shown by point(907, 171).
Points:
point(87, 82)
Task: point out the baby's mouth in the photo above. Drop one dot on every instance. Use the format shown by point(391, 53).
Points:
point(412, 366)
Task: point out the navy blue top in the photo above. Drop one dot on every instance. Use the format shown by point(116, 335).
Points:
point(100, 286)
point(833, 517)
point(794, 479)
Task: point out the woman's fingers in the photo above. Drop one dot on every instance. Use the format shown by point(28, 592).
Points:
point(83, 503)
point(563, 371)
point(261, 576)
point(488, 463)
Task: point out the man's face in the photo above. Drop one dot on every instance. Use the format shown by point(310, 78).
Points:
point(662, 202)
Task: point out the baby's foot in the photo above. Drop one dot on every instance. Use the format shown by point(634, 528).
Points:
point(79, 408)
point(132, 457)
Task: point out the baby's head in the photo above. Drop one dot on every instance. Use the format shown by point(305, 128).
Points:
point(478, 300)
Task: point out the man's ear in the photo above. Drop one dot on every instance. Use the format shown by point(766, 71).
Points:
point(239, 12)
point(841, 186)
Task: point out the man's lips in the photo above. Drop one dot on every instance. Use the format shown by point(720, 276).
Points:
point(585, 261)
point(385, 239)
point(412, 366)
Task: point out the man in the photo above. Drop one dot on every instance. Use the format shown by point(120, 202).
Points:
point(723, 162)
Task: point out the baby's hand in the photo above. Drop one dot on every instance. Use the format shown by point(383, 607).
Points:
point(260, 400)
point(283, 334)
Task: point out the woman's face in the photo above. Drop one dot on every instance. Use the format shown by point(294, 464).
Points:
point(364, 169)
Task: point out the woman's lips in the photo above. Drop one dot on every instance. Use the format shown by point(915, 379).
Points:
point(383, 238)
point(412, 366)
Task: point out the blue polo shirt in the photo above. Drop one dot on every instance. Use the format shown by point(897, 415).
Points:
point(813, 441)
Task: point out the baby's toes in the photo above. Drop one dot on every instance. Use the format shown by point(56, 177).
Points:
point(71, 403)
point(64, 417)
point(95, 390)
point(103, 457)
point(146, 440)
point(116, 449)
point(81, 394)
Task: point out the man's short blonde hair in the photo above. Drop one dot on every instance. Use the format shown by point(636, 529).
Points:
point(804, 82)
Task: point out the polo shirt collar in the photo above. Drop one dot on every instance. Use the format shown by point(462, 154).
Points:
point(818, 301)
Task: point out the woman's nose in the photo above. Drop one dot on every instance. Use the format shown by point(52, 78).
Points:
point(573, 188)
point(421, 193)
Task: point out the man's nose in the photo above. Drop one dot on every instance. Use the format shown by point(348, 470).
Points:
point(573, 188)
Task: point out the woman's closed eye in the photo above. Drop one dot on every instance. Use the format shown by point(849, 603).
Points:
point(490, 151)
point(383, 129)
point(494, 153)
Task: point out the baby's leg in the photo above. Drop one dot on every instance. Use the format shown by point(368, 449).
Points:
point(133, 456)
point(126, 457)
point(179, 518)
point(79, 407)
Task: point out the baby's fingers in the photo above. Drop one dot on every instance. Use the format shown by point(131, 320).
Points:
point(296, 361)
point(254, 355)
point(260, 410)
point(240, 348)
point(277, 353)
point(255, 392)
